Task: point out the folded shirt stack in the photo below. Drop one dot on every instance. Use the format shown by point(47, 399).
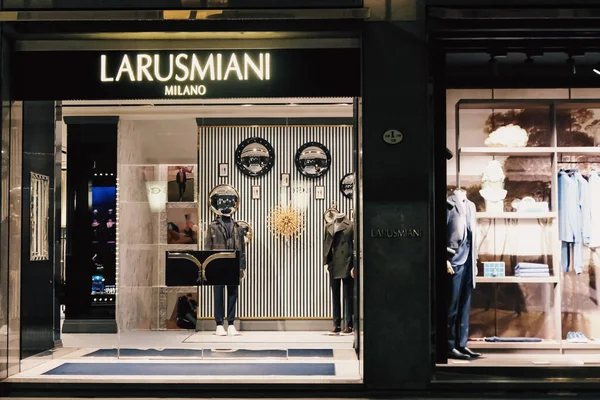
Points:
point(532, 270)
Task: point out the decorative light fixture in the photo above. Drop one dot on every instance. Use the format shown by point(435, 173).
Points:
point(285, 222)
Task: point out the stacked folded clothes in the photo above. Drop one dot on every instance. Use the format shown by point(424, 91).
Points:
point(532, 270)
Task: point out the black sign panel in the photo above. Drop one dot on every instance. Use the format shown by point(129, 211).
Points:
point(115, 75)
point(202, 268)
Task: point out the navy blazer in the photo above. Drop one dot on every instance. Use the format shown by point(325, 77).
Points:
point(456, 228)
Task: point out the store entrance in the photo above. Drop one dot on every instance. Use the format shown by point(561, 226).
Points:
point(209, 240)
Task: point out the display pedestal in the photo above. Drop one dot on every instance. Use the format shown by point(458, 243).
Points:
point(89, 326)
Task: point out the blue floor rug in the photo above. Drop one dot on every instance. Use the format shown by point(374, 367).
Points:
point(213, 353)
point(187, 369)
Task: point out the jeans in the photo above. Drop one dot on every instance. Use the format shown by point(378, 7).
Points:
point(192, 319)
point(459, 305)
point(348, 301)
point(565, 259)
point(219, 298)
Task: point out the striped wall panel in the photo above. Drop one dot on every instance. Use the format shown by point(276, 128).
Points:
point(285, 279)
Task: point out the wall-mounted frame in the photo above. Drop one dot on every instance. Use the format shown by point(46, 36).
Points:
point(256, 192)
point(285, 180)
point(255, 157)
point(347, 185)
point(223, 170)
point(319, 192)
point(313, 159)
point(224, 200)
point(39, 211)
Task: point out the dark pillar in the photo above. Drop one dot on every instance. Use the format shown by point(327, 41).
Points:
point(397, 183)
point(91, 151)
point(38, 300)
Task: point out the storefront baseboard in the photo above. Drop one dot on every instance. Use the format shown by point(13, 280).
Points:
point(89, 326)
point(272, 325)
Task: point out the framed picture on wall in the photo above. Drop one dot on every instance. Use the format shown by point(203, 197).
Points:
point(180, 187)
point(320, 193)
point(223, 170)
point(256, 192)
point(285, 180)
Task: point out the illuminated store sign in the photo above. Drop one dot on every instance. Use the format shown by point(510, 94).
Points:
point(185, 74)
point(187, 68)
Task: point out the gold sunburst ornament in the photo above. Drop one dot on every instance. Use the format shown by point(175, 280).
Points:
point(285, 222)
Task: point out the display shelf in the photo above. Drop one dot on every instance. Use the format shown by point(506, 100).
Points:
point(182, 204)
point(579, 150)
point(543, 345)
point(516, 279)
point(507, 151)
point(592, 345)
point(180, 247)
point(516, 215)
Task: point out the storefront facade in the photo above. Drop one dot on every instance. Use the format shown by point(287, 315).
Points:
point(411, 57)
point(303, 37)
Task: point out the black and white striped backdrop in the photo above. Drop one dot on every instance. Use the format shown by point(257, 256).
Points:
point(285, 279)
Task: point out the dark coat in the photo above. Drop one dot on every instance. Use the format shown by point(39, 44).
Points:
point(216, 239)
point(339, 258)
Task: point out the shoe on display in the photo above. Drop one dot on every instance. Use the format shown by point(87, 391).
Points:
point(348, 331)
point(457, 355)
point(469, 352)
point(335, 331)
point(220, 331)
point(231, 331)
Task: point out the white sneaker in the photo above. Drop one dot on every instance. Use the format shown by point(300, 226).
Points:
point(231, 331)
point(220, 331)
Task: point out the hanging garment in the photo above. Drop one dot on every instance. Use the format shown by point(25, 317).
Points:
point(584, 206)
point(594, 185)
point(569, 222)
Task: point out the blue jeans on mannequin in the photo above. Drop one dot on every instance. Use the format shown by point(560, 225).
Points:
point(459, 305)
point(219, 299)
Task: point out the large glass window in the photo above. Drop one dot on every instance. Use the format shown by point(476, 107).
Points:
point(521, 218)
point(209, 241)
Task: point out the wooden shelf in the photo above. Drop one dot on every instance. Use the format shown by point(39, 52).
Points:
point(592, 345)
point(517, 279)
point(528, 151)
point(507, 151)
point(579, 150)
point(517, 215)
point(543, 345)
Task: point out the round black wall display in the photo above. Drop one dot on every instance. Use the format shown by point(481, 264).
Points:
point(254, 156)
point(347, 185)
point(313, 159)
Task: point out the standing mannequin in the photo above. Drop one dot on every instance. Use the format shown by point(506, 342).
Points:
point(461, 224)
point(338, 248)
point(226, 234)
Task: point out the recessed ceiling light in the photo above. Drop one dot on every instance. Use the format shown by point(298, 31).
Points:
point(246, 105)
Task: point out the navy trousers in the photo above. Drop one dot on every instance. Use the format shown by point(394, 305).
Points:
point(459, 306)
point(219, 297)
point(336, 298)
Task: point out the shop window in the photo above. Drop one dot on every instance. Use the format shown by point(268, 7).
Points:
point(524, 176)
point(40, 206)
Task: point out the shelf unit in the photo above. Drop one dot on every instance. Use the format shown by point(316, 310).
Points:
point(517, 215)
point(553, 152)
point(517, 279)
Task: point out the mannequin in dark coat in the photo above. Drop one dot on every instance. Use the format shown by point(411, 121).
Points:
point(224, 233)
point(338, 256)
